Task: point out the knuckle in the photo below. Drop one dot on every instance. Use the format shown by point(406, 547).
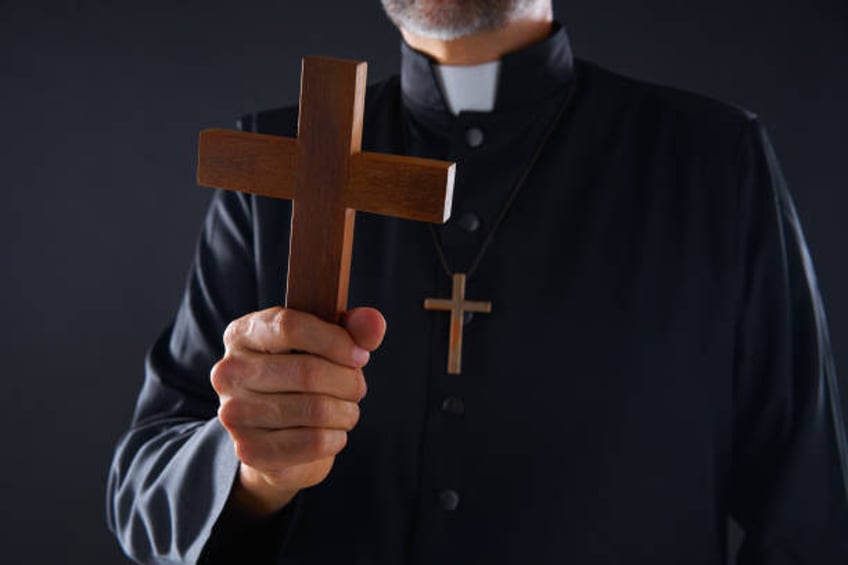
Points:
point(340, 442)
point(229, 414)
point(309, 370)
point(321, 443)
point(233, 330)
point(283, 324)
point(221, 375)
point(317, 410)
point(275, 413)
point(360, 386)
point(312, 443)
point(354, 416)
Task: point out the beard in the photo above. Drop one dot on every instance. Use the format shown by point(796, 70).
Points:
point(452, 19)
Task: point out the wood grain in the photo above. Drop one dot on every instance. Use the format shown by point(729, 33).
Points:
point(247, 162)
point(328, 178)
point(404, 187)
point(332, 97)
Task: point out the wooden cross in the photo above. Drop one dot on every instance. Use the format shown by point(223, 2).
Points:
point(457, 306)
point(328, 178)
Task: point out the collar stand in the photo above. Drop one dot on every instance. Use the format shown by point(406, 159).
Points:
point(547, 66)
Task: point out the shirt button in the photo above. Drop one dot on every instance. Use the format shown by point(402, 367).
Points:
point(449, 500)
point(469, 222)
point(474, 137)
point(453, 406)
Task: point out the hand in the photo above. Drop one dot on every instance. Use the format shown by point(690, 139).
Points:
point(289, 385)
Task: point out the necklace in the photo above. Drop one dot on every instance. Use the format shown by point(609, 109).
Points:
point(457, 305)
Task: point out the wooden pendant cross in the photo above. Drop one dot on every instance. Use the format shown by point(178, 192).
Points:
point(328, 178)
point(457, 306)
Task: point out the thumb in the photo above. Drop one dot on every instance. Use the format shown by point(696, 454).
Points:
point(366, 326)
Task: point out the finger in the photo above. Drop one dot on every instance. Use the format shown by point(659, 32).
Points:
point(280, 411)
point(280, 330)
point(366, 326)
point(274, 450)
point(263, 373)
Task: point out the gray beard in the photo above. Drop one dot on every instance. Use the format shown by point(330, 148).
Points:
point(446, 20)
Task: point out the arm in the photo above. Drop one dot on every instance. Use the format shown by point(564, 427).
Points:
point(789, 489)
point(173, 470)
point(210, 465)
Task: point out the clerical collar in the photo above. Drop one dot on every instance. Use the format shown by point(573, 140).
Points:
point(468, 87)
point(547, 66)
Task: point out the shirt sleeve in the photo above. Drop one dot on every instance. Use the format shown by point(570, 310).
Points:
point(788, 487)
point(173, 470)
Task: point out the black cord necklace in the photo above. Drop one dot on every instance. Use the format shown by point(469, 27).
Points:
point(457, 305)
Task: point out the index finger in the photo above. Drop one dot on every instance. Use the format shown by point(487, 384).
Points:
point(280, 330)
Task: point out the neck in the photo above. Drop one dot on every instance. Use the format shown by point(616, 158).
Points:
point(485, 46)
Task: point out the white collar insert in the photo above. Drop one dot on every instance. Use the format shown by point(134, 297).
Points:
point(469, 87)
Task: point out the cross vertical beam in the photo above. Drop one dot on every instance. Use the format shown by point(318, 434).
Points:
point(332, 98)
point(328, 178)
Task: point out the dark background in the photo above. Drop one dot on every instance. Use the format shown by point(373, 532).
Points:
point(101, 103)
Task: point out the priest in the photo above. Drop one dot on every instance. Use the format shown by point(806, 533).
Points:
point(643, 356)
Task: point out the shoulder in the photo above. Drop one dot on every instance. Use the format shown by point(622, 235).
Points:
point(283, 121)
point(626, 103)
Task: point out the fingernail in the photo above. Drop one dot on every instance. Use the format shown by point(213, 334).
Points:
point(360, 356)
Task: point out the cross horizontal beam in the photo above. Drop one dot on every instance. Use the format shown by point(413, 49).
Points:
point(264, 165)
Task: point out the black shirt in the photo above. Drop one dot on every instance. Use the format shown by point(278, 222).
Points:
point(656, 359)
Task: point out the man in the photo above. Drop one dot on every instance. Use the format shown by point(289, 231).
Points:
point(656, 359)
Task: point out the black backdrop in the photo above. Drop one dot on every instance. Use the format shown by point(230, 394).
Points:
point(101, 103)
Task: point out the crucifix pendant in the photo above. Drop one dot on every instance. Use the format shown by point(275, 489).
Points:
point(457, 306)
